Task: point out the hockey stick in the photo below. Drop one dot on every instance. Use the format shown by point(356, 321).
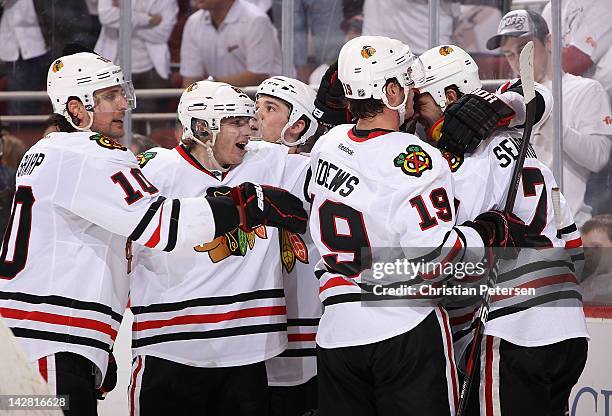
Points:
point(527, 81)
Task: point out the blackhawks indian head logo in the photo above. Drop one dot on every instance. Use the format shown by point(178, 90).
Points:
point(292, 248)
point(107, 142)
point(233, 243)
point(367, 52)
point(414, 162)
point(445, 50)
point(454, 161)
point(143, 158)
point(57, 65)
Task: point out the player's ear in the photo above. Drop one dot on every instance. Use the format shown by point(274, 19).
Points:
point(77, 111)
point(298, 127)
point(451, 95)
point(394, 91)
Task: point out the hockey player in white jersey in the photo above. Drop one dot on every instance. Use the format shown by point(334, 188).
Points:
point(207, 317)
point(283, 110)
point(374, 189)
point(80, 195)
point(534, 347)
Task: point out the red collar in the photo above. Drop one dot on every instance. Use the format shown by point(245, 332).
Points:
point(194, 162)
point(361, 136)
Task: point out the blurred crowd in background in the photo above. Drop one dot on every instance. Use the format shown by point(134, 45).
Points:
point(176, 42)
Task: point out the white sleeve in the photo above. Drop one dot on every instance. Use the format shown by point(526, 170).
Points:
point(425, 219)
point(114, 194)
point(109, 15)
point(161, 33)
point(192, 64)
point(263, 53)
point(586, 137)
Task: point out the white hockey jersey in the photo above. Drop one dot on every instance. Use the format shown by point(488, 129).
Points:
point(63, 282)
point(299, 255)
point(481, 182)
point(217, 303)
point(371, 192)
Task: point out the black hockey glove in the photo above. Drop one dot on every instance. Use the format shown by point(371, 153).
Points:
point(470, 120)
point(500, 229)
point(110, 379)
point(266, 205)
point(331, 107)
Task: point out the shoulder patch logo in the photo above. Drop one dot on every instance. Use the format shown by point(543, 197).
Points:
point(454, 161)
point(107, 142)
point(144, 157)
point(414, 162)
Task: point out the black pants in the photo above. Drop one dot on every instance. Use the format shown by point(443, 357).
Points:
point(513, 380)
point(162, 387)
point(301, 400)
point(72, 375)
point(410, 374)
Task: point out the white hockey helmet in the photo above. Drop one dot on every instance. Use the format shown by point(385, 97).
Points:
point(300, 97)
point(212, 102)
point(366, 63)
point(448, 65)
point(80, 75)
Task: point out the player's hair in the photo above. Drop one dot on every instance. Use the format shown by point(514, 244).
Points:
point(601, 222)
point(369, 107)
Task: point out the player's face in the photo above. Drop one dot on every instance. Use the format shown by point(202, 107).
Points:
point(231, 141)
point(511, 48)
point(426, 111)
point(109, 112)
point(597, 249)
point(271, 115)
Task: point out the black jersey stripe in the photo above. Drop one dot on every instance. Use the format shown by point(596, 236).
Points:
point(303, 322)
point(346, 297)
point(214, 333)
point(211, 301)
point(59, 337)
point(299, 352)
point(173, 230)
point(533, 302)
point(569, 229)
point(146, 218)
point(61, 301)
point(533, 267)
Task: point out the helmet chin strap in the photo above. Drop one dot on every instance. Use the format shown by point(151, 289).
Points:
point(68, 118)
point(284, 142)
point(209, 145)
point(400, 108)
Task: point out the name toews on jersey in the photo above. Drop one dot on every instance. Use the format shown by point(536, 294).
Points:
point(63, 284)
point(217, 303)
point(374, 194)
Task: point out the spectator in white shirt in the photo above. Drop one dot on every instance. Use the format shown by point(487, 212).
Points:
point(587, 39)
point(152, 24)
point(408, 21)
point(230, 40)
point(586, 135)
point(23, 48)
